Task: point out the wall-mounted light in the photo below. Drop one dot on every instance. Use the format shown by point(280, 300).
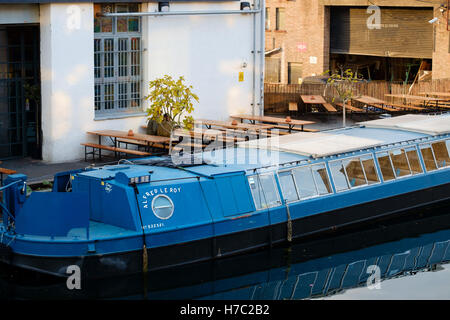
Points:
point(245, 5)
point(434, 20)
point(163, 6)
point(443, 8)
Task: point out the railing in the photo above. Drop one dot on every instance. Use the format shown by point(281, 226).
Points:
point(3, 208)
point(277, 96)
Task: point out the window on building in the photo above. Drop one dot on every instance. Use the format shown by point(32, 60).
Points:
point(272, 73)
point(117, 60)
point(294, 73)
point(280, 19)
point(267, 24)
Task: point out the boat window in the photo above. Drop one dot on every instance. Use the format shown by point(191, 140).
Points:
point(355, 172)
point(369, 169)
point(339, 177)
point(321, 178)
point(288, 186)
point(162, 206)
point(305, 182)
point(441, 154)
point(400, 163)
point(385, 166)
point(270, 189)
point(428, 157)
point(414, 162)
point(255, 188)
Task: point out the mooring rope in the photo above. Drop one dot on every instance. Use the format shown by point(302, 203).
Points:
point(144, 247)
point(289, 223)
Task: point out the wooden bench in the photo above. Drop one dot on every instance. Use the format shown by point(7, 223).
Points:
point(294, 129)
point(407, 107)
point(350, 108)
point(329, 107)
point(7, 172)
point(386, 108)
point(311, 130)
point(100, 147)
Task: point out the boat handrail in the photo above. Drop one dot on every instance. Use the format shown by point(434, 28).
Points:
point(2, 205)
point(9, 185)
point(374, 149)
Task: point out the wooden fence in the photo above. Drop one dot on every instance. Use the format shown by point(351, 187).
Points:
point(277, 96)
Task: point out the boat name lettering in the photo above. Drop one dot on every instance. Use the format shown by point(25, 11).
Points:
point(164, 190)
point(152, 226)
point(156, 191)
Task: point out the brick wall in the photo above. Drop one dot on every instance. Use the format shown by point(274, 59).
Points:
point(306, 39)
point(441, 54)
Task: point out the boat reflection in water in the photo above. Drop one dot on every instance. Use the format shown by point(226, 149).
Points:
point(311, 269)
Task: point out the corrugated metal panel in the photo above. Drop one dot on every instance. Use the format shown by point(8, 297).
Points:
point(401, 32)
point(18, 14)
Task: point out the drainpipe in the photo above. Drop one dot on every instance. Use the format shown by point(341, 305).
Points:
point(262, 56)
point(254, 65)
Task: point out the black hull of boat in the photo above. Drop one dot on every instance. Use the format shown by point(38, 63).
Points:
point(99, 266)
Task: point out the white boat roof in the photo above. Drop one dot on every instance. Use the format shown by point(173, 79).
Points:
point(312, 144)
point(432, 125)
point(322, 144)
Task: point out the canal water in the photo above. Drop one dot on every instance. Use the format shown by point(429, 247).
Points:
point(403, 258)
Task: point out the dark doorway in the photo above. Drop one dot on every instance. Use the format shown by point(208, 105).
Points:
point(20, 93)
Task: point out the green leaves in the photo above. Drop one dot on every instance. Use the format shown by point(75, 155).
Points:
point(343, 83)
point(171, 97)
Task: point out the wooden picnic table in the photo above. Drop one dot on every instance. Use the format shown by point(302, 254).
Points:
point(124, 135)
point(369, 100)
point(444, 95)
point(316, 99)
point(278, 121)
point(408, 97)
point(313, 99)
point(230, 125)
point(114, 135)
point(374, 102)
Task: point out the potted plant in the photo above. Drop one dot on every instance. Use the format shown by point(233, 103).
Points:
point(171, 103)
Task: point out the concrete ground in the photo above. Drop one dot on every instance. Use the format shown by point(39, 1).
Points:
point(39, 171)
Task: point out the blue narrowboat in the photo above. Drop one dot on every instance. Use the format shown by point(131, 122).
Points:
point(159, 212)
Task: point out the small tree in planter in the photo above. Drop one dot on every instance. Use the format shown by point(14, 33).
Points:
point(171, 102)
point(343, 83)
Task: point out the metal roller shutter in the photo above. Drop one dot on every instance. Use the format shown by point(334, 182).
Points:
point(402, 33)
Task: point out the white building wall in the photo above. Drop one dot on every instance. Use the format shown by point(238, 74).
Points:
point(209, 51)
